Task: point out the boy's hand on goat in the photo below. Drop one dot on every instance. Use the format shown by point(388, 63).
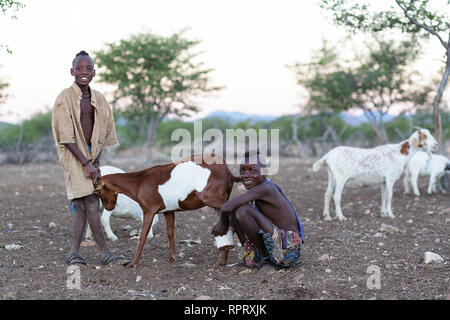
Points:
point(219, 229)
point(91, 172)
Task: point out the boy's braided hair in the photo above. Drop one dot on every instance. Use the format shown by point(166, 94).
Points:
point(254, 157)
point(82, 53)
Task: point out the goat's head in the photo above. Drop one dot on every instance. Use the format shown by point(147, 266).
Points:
point(423, 140)
point(107, 195)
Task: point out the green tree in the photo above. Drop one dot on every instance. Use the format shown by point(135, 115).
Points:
point(8, 6)
point(328, 80)
point(28, 132)
point(155, 76)
point(3, 96)
point(372, 83)
point(416, 17)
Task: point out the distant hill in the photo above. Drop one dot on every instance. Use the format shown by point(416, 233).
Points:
point(358, 120)
point(235, 117)
point(4, 125)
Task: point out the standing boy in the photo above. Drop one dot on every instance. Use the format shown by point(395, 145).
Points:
point(82, 125)
point(265, 221)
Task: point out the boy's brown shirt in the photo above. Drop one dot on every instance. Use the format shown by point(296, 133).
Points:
point(66, 128)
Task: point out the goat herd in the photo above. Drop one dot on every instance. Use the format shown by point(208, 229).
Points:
point(131, 195)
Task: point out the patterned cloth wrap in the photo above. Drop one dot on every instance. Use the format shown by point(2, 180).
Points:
point(251, 254)
point(283, 247)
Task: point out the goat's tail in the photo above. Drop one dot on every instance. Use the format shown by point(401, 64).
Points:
point(318, 164)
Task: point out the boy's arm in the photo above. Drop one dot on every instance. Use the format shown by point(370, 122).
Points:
point(231, 205)
point(87, 165)
point(254, 193)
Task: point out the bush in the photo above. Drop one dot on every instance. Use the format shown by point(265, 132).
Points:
point(34, 129)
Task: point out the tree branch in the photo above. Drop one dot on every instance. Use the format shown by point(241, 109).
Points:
point(420, 25)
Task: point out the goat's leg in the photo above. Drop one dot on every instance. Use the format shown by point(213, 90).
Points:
point(383, 209)
point(414, 179)
point(406, 182)
point(106, 215)
point(150, 233)
point(88, 232)
point(170, 224)
point(223, 258)
point(148, 220)
point(327, 197)
point(439, 188)
point(216, 203)
point(389, 192)
point(432, 184)
point(337, 200)
point(222, 261)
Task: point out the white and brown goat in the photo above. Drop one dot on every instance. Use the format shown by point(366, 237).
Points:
point(186, 185)
point(357, 167)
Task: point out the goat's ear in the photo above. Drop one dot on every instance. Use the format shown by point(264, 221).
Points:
point(422, 136)
point(422, 139)
point(99, 186)
point(405, 148)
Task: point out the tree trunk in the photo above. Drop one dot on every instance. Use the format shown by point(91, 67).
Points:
point(377, 125)
point(436, 102)
point(19, 157)
point(380, 131)
point(299, 144)
point(152, 126)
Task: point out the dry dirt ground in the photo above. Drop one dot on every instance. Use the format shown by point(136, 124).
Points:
point(35, 215)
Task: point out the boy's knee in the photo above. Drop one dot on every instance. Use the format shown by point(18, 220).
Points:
point(92, 203)
point(242, 213)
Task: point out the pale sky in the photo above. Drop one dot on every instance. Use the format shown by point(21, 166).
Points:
point(247, 42)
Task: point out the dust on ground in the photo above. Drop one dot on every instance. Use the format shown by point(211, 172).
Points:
point(35, 215)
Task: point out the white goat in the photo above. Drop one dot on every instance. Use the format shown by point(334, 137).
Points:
point(125, 208)
point(356, 167)
point(421, 164)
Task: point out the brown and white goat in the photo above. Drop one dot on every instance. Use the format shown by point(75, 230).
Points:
point(185, 185)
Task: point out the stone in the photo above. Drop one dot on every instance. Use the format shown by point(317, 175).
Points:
point(431, 256)
point(323, 258)
point(388, 228)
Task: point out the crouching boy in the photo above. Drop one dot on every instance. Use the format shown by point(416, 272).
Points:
point(264, 220)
